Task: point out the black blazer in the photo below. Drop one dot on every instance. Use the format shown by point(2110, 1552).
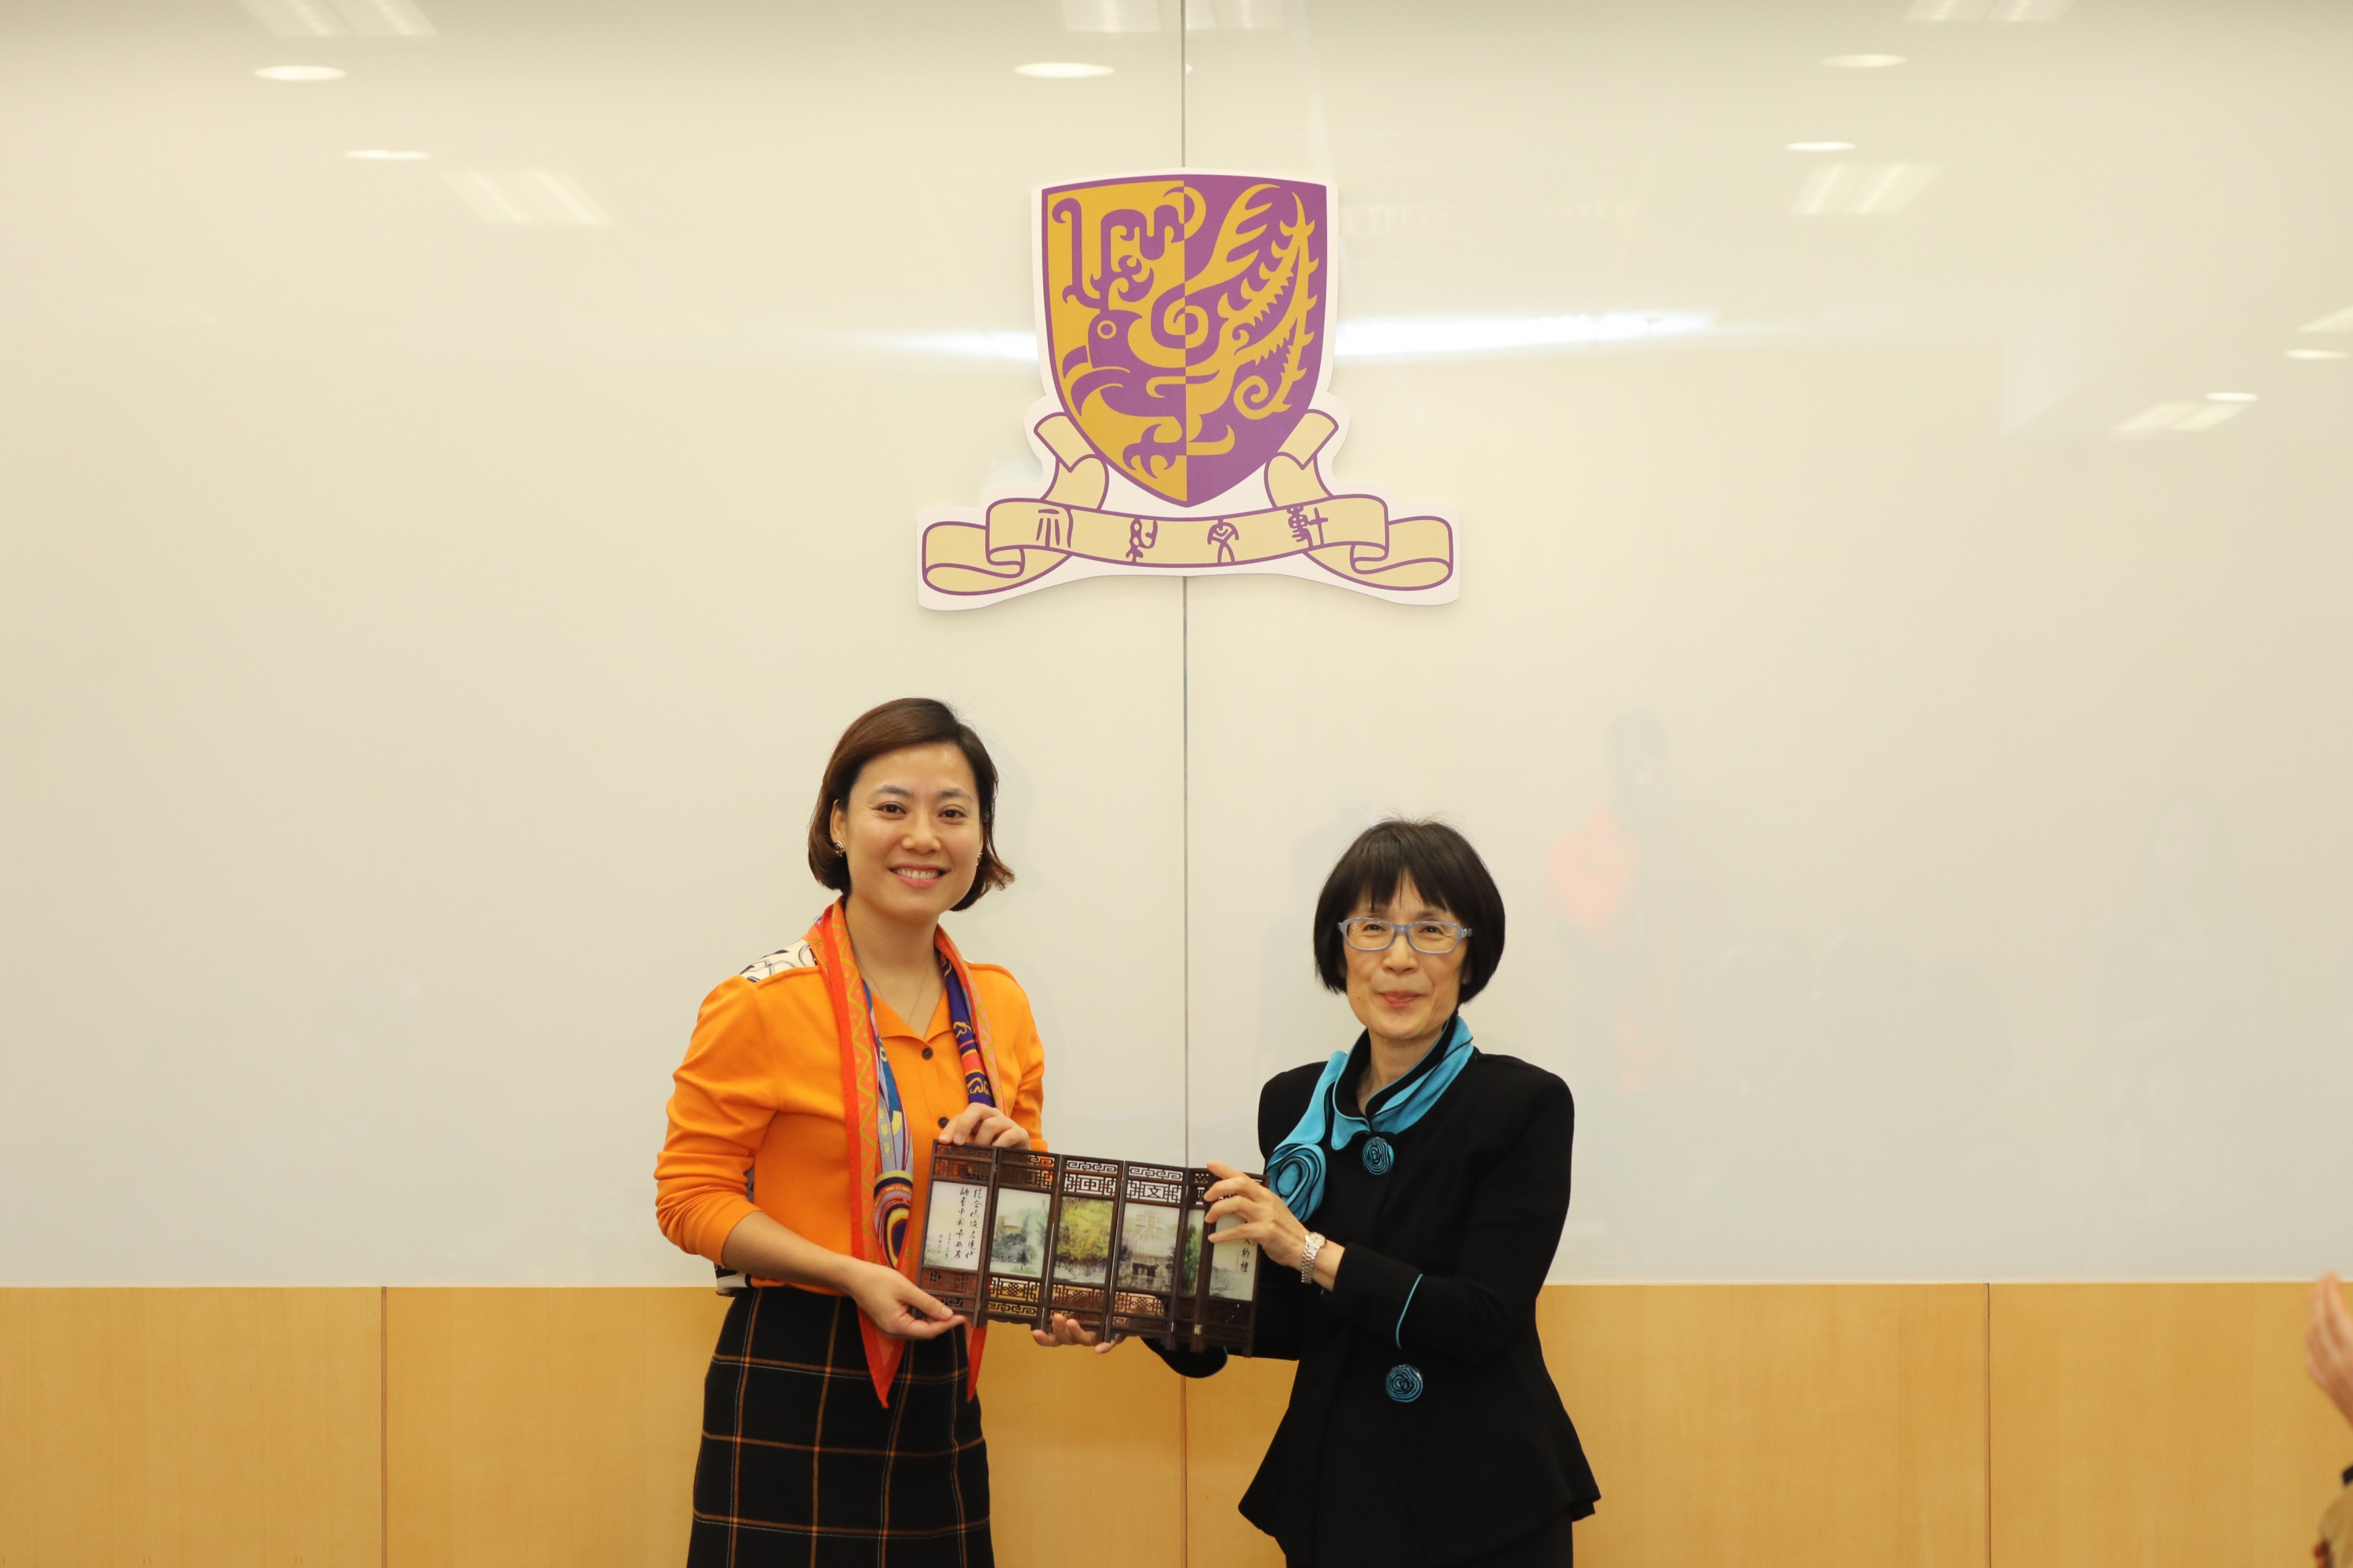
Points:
point(1454, 1242)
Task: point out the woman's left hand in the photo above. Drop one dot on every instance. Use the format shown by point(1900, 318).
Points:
point(1264, 1218)
point(985, 1126)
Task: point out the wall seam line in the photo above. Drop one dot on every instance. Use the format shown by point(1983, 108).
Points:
point(384, 1425)
point(1988, 1424)
point(1184, 871)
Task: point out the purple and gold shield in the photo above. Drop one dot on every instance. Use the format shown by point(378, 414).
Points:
point(1185, 321)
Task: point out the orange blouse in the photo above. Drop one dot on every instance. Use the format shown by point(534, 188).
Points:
point(755, 1120)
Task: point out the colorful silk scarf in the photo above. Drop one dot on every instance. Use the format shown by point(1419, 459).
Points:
point(894, 1189)
point(874, 1123)
point(1295, 1172)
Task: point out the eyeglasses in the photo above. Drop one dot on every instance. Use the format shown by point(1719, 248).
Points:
point(1436, 938)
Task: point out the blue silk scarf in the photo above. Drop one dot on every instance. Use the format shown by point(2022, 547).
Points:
point(1295, 1170)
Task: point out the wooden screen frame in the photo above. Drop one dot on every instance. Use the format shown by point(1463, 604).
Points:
point(983, 1294)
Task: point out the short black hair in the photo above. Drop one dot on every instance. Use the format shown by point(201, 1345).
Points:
point(1445, 870)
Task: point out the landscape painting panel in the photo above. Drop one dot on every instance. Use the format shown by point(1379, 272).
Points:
point(1148, 1249)
point(1017, 1244)
point(1082, 1247)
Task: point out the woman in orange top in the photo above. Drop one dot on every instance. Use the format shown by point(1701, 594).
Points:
point(839, 1422)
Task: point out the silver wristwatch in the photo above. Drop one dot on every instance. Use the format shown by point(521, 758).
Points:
point(1307, 1251)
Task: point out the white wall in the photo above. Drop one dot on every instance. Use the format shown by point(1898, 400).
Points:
point(422, 638)
point(419, 636)
point(1993, 917)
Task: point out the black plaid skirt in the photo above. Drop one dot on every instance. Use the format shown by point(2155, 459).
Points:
point(801, 1464)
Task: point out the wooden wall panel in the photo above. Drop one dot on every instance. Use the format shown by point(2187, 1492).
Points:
point(189, 1428)
point(1780, 1424)
point(1776, 1423)
point(2151, 1425)
point(1228, 1421)
point(2139, 1425)
point(547, 1428)
point(558, 1427)
point(1085, 1456)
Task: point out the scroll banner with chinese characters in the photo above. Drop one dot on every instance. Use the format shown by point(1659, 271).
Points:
point(1352, 536)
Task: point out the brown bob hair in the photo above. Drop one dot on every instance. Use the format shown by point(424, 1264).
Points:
point(893, 726)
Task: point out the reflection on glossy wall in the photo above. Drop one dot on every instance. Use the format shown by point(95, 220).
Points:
point(1902, 679)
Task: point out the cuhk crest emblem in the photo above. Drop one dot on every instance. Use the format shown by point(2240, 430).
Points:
point(1185, 338)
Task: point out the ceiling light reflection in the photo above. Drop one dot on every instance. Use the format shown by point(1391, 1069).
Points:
point(1394, 337)
point(526, 196)
point(2336, 321)
point(1862, 62)
point(2208, 417)
point(385, 18)
point(298, 18)
point(1248, 15)
point(1862, 190)
point(2316, 354)
point(1060, 70)
point(2160, 417)
point(299, 73)
point(1111, 16)
point(1486, 218)
point(1012, 347)
point(2178, 419)
point(341, 18)
point(1986, 10)
point(1401, 337)
point(1821, 147)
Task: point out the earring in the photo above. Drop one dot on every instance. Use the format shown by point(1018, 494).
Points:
point(837, 846)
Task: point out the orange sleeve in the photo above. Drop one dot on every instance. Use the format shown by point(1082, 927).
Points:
point(718, 1112)
point(1020, 1054)
point(1029, 1098)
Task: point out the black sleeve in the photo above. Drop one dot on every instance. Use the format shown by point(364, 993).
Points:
point(1278, 1329)
point(1189, 1363)
point(1279, 1326)
point(1509, 1236)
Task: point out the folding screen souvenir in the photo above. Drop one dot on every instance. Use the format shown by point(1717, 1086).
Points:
point(1017, 1236)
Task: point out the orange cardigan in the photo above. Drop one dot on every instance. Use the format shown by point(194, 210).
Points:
point(755, 1120)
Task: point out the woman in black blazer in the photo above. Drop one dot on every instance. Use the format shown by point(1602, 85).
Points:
point(1414, 1198)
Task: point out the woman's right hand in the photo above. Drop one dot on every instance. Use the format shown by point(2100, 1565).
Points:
point(1067, 1330)
point(764, 1249)
point(896, 1304)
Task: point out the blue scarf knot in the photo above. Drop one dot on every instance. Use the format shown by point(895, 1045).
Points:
point(1295, 1170)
